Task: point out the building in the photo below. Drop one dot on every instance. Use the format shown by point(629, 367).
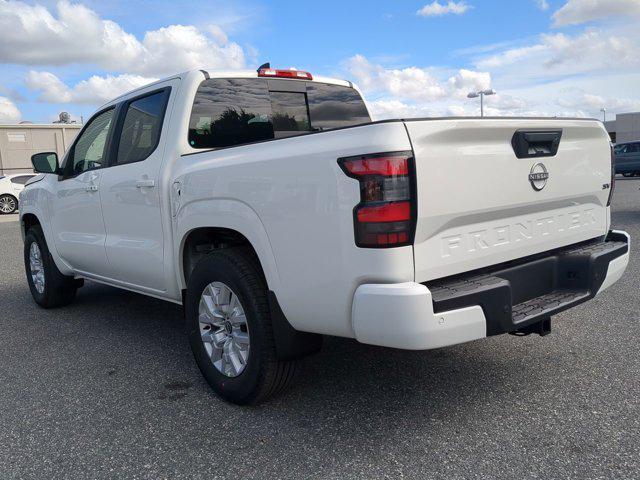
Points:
point(610, 125)
point(19, 142)
point(625, 128)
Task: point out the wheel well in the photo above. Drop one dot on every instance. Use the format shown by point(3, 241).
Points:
point(290, 343)
point(202, 241)
point(29, 220)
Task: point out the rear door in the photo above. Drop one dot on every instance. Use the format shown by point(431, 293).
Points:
point(481, 203)
point(131, 191)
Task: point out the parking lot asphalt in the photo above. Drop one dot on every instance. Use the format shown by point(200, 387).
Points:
point(107, 388)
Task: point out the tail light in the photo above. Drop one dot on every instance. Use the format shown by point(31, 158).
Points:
point(386, 214)
point(612, 185)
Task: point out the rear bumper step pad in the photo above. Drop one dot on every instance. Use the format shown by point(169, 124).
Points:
point(522, 293)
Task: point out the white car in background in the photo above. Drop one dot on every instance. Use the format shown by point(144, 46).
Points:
point(10, 188)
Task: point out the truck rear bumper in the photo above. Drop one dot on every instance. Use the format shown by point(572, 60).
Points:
point(502, 299)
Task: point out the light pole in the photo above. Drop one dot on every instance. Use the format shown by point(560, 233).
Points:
point(604, 114)
point(481, 94)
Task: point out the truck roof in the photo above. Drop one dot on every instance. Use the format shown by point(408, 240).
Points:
point(227, 74)
point(254, 74)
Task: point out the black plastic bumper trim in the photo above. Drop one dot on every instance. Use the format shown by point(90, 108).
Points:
point(524, 292)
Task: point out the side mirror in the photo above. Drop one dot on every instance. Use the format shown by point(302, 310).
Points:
point(46, 162)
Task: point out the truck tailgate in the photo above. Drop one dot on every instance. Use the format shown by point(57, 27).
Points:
point(480, 205)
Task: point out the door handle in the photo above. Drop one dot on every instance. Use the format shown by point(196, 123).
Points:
point(91, 188)
point(145, 183)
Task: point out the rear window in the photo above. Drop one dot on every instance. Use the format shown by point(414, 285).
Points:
point(229, 112)
point(333, 106)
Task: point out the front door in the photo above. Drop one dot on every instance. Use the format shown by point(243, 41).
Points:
point(130, 193)
point(79, 231)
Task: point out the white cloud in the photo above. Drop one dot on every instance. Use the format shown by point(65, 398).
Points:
point(593, 50)
point(498, 105)
point(571, 74)
point(414, 83)
point(185, 47)
point(466, 81)
point(509, 56)
point(216, 32)
point(390, 108)
point(9, 113)
point(76, 34)
point(594, 103)
point(392, 94)
point(437, 9)
point(580, 11)
point(561, 54)
point(542, 4)
point(95, 90)
point(415, 91)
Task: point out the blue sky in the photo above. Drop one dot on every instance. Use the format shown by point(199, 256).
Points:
point(543, 57)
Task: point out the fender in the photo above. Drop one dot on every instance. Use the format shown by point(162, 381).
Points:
point(239, 216)
point(30, 203)
point(225, 213)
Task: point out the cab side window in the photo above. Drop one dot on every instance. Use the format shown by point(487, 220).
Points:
point(141, 128)
point(90, 150)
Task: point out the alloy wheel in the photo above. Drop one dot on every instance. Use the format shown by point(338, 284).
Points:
point(7, 204)
point(36, 267)
point(224, 329)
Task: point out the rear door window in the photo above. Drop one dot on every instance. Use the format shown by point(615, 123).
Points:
point(141, 127)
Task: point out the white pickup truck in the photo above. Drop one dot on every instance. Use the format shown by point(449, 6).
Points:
point(275, 211)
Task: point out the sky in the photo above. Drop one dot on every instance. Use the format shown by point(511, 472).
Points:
point(409, 58)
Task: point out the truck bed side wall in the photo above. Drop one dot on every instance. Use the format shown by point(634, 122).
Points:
point(292, 201)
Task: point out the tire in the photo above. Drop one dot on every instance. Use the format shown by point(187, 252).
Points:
point(51, 289)
point(262, 375)
point(8, 204)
